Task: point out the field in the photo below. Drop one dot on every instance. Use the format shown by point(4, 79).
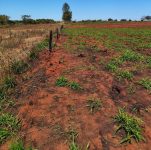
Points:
point(16, 42)
point(92, 92)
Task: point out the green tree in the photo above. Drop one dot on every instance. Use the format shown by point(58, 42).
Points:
point(26, 19)
point(67, 13)
point(4, 19)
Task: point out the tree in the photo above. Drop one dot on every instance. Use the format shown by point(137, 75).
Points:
point(4, 19)
point(67, 13)
point(147, 18)
point(26, 19)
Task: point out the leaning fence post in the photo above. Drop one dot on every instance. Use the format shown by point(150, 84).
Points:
point(58, 34)
point(50, 41)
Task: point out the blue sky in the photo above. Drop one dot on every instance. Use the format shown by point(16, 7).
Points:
point(82, 9)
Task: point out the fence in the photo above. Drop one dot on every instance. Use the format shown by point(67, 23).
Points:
point(58, 34)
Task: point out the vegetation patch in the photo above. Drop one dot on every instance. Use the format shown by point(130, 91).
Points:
point(131, 126)
point(124, 75)
point(9, 125)
point(74, 85)
point(62, 82)
point(94, 105)
point(9, 82)
point(146, 83)
point(19, 67)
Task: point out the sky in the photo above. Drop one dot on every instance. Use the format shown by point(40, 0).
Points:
point(82, 9)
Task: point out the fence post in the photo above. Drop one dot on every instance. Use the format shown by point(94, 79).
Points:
point(50, 41)
point(58, 34)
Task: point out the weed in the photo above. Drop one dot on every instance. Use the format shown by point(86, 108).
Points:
point(74, 85)
point(33, 55)
point(62, 82)
point(124, 75)
point(19, 67)
point(17, 145)
point(130, 124)
point(9, 125)
point(94, 105)
point(9, 82)
point(146, 83)
point(111, 67)
point(131, 56)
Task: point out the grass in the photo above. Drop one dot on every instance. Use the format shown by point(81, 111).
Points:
point(17, 145)
point(131, 126)
point(9, 82)
point(74, 85)
point(9, 125)
point(124, 75)
point(94, 105)
point(62, 82)
point(111, 67)
point(146, 83)
point(19, 67)
point(131, 56)
point(73, 145)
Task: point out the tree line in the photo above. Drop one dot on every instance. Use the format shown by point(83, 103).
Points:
point(66, 17)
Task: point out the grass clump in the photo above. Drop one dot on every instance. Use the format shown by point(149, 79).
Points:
point(124, 75)
point(33, 55)
point(9, 82)
point(73, 145)
point(19, 67)
point(146, 83)
point(94, 105)
point(9, 125)
point(131, 126)
point(62, 82)
point(74, 85)
point(131, 56)
point(17, 145)
point(111, 67)
point(2, 93)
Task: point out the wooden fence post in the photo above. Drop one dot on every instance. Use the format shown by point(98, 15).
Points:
point(50, 41)
point(58, 34)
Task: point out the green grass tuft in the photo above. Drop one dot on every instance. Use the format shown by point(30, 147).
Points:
point(74, 85)
point(124, 75)
point(62, 82)
point(9, 82)
point(130, 124)
point(9, 125)
point(146, 83)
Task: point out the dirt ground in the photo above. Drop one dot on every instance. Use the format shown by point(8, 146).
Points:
point(48, 112)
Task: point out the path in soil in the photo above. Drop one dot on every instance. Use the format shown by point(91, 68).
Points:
point(48, 112)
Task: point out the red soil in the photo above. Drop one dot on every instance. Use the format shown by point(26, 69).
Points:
point(114, 25)
point(48, 112)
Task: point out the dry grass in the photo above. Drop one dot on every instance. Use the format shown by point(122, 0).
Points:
point(16, 42)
